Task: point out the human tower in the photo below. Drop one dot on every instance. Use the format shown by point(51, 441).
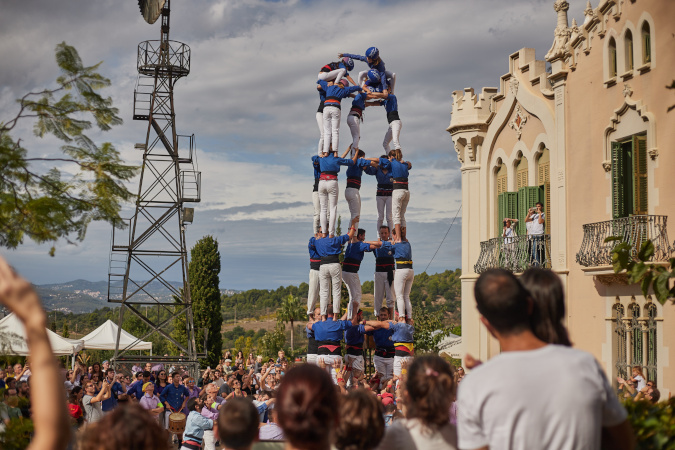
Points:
point(393, 255)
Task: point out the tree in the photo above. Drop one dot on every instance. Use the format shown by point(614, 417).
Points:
point(270, 344)
point(65, 333)
point(203, 273)
point(429, 330)
point(640, 270)
point(290, 311)
point(53, 205)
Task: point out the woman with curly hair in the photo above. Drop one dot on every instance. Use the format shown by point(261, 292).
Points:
point(428, 395)
point(308, 407)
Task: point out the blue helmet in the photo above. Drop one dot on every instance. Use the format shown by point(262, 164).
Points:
point(372, 53)
point(349, 63)
point(373, 76)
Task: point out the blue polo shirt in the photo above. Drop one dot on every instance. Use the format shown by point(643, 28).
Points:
point(396, 168)
point(330, 330)
point(174, 396)
point(403, 251)
point(354, 335)
point(382, 337)
point(356, 170)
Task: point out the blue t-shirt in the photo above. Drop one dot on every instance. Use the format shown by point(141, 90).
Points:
point(385, 251)
point(382, 178)
point(390, 103)
point(316, 166)
point(403, 251)
point(313, 254)
point(111, 403)
point(356, 170)
point(353, 335)
point(396, 168)
point(382, 337)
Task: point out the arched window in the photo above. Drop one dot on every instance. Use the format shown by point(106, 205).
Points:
point(646, 44)
point(628, 46)
point(503, 197)
point(612, 57)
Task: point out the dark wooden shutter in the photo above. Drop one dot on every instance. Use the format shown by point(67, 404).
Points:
point(618, 182)
point(640, 194)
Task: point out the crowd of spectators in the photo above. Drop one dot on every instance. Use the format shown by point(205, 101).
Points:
point(538, 393)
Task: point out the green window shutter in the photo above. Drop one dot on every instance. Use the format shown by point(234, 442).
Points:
point(646, 47)
point(512, 204)
point(501, 213)
point(640, 194)
point(618, 185)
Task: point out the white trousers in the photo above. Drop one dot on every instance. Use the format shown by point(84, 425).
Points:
point(356, 363)
point(399, 201)
point(209, 440)
point(312, 358)
point(331, 128)
point(330, 275)
point(334, 75)
point(393, 133)
point(313, 294)
point(328, 198)
point(316, 202)
point(403, 281)
point(383, 203)
point(381, 289)
point(354, 288)
point(354, 123)
point(384, 366)
point(397, 363)
point(353, 197)
point(319, 122)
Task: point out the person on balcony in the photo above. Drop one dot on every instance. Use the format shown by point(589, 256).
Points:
point(509, 235)
point(535, 231)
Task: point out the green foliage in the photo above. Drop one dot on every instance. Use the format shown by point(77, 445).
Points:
point(368, 287)
point(255, 303)
point(53, 205)
point(640, 270)
point(653, 424)
point(65, 333)
point(270, 344)
point(429, 331)
point(291, 310)
point(17, 434)
point(203, 272)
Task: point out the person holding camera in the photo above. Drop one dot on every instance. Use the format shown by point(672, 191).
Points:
point(509, 235)
point(535, 231)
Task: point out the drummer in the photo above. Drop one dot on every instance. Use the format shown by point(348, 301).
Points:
point(174, 397)
point(195, 425)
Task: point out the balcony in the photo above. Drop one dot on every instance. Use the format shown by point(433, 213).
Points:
point(516, 254)
point(634, 230)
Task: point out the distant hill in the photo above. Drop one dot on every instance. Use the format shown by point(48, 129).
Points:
point(82, 296)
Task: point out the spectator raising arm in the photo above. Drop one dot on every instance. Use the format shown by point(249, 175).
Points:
point(51, 418)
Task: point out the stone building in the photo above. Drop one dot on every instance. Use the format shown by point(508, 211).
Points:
point(587, 133)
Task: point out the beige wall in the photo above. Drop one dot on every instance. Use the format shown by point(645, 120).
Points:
point(576, 113)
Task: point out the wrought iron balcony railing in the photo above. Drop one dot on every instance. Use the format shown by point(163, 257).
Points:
point(516, 254)
point(633, 230)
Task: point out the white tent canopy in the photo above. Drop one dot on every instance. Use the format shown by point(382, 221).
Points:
point(452, 346)
point(13, 339)
point(105, 336)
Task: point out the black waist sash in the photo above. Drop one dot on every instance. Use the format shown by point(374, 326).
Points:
point(351, 265)
point(385, 352)
point(330, 259)
point(391, 116)
point(401, 183)
point(328, 347)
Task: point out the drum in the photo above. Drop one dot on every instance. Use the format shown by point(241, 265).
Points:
point(177, 423)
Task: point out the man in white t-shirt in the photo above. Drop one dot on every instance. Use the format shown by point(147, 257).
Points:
point(534, 395)
point(534, 223)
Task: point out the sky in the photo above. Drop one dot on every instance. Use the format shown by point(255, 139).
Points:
point(250, 99)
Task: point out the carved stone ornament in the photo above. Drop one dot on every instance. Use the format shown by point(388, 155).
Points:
point(607, 165)
point(627, 90)
point(653, 153)
point(513, 85)
point(561, 41)
point(615, 278)
point(518, 121)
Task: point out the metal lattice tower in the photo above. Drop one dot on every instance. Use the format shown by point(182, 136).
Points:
point(152, 249)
